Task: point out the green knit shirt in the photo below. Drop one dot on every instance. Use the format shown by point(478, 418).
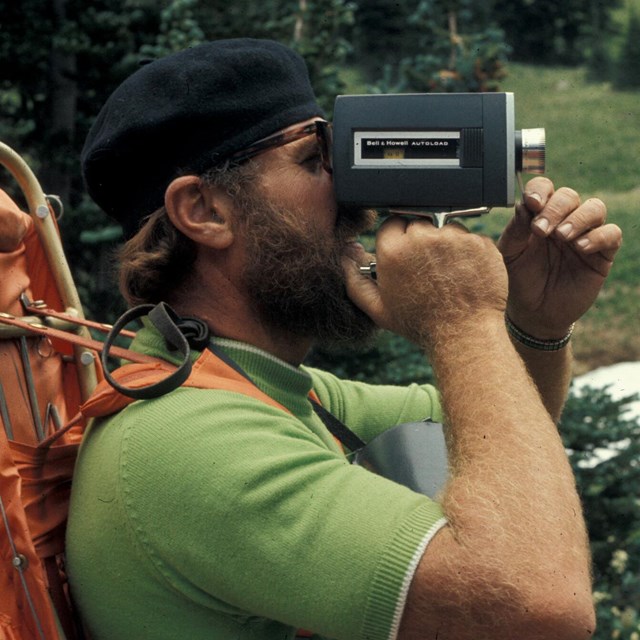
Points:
point(209, 514)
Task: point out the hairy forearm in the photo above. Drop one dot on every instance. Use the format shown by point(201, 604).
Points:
point(499, 429)
point(515, 558)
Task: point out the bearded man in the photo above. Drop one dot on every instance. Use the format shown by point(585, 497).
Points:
point(213, 513)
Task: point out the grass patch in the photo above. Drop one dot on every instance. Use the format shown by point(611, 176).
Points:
point(592, 131)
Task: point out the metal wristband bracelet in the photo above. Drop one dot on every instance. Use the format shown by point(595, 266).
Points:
point(537, 343)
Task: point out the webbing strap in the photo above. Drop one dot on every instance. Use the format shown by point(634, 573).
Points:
point(164, 319)
point(337, 428)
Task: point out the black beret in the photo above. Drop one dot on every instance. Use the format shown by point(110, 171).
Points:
point(185, 113)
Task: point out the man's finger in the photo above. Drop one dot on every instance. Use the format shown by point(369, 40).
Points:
point(562, 203)
point(537, 193)
point(606, 240)
point(590, 215)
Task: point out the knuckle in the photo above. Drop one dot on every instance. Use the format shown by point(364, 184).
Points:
point(582, 218)
point(597, 206)
point(540, 182)
point(565, 201)
point(614, 234)
point(568, 194)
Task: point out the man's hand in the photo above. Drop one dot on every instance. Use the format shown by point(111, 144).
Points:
point(558, 252)
point(429, 280)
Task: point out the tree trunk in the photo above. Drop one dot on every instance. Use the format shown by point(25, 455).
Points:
point(298, 30)
point(59, 164)
point(454, 39)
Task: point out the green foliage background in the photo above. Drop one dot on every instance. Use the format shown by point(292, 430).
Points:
point(59, 59)
point(594, 422)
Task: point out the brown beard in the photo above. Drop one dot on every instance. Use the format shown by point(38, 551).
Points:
point(296, 278)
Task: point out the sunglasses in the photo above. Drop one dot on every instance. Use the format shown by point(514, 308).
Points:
point(320, 128)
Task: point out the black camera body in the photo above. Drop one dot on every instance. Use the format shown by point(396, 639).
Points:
point(445, 152)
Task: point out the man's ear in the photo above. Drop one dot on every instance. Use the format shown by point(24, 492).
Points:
point(202, 213)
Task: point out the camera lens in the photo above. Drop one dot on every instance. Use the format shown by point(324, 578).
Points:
point(530, 150)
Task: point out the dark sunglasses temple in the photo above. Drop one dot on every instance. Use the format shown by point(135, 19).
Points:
point(324, 133)
point(322, 130)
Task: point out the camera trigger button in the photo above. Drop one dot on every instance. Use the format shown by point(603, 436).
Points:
point(369, 270)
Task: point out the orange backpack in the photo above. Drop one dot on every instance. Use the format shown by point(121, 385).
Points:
point(43, 380)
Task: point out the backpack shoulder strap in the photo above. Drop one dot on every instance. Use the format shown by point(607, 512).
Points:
point(208, 372)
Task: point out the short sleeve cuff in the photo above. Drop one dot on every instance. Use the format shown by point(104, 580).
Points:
point(395, 572)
